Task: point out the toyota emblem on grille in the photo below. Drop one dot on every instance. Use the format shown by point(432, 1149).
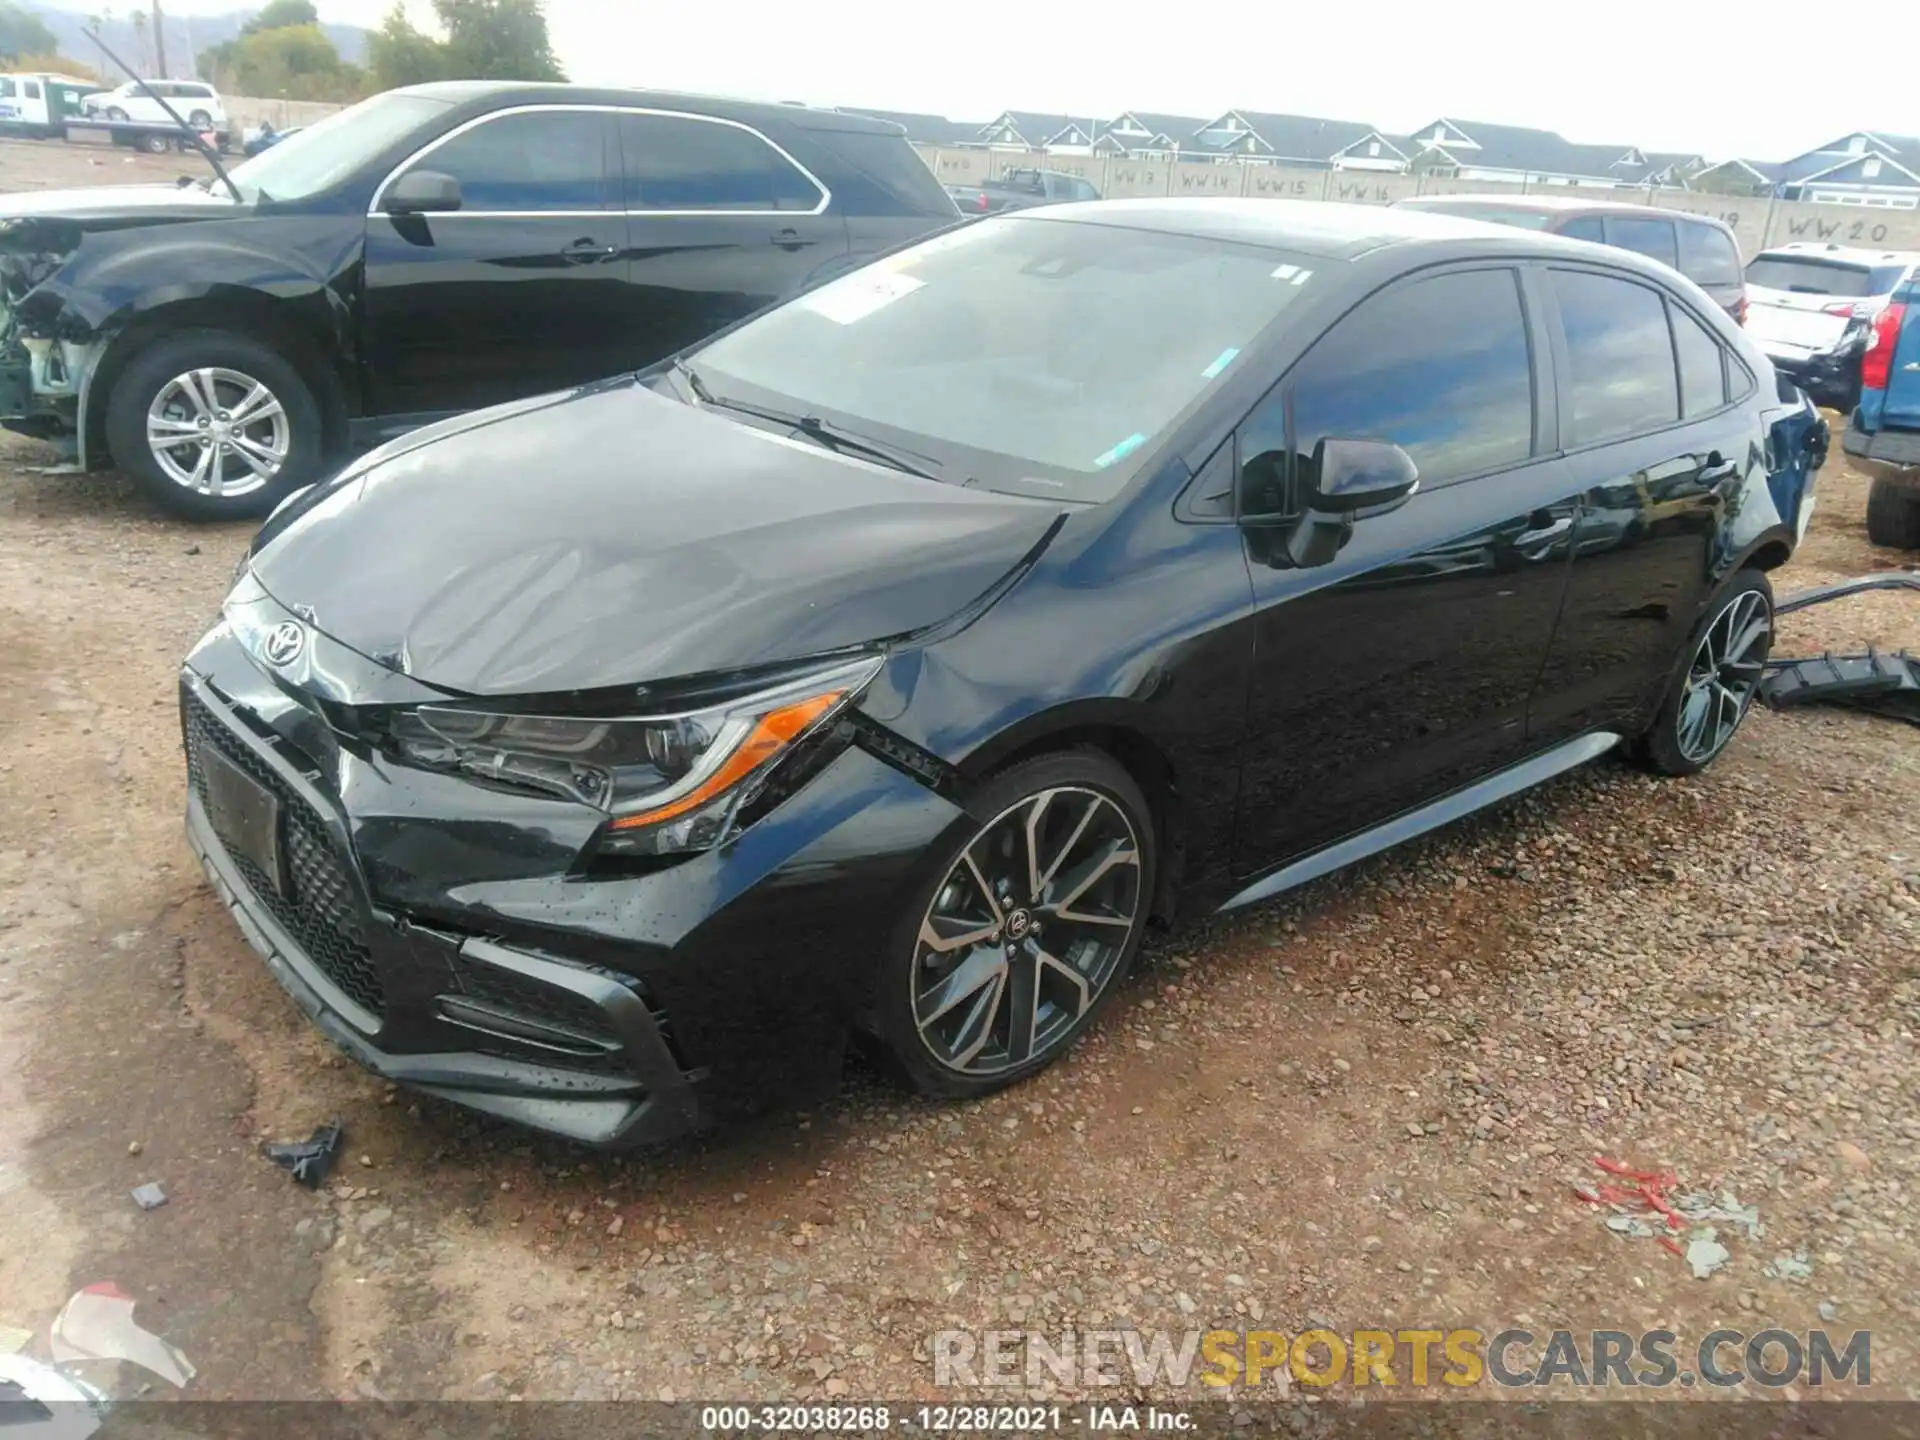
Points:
point(285, 642)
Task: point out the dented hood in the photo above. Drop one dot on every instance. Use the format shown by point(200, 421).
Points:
point(107, 207)
point(614, 536)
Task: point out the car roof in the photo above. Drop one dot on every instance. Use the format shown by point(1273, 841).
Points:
point(1323, 228)
point(1555, 205)
point(494, 93)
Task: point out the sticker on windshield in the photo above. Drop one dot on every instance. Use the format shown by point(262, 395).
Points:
point(857, 296)
point(1292, 274)
point(1120, 452)
point(1224, 359)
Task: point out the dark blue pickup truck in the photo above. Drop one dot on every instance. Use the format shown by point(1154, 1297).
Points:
point(1884, 435)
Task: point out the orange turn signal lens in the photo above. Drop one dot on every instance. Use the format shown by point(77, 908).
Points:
point(774, 732)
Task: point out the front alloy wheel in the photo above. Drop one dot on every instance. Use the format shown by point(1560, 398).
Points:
point(215, 425)
point(1029, 928)
point(218, 432)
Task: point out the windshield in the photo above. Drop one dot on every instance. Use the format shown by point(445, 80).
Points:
point(1022, 354)
point(1810, 277)
point(327, 152)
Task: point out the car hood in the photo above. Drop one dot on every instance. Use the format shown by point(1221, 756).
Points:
point(113, 206)
point(613, 536)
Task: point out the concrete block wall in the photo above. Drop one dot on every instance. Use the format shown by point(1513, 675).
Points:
point(1756, 223)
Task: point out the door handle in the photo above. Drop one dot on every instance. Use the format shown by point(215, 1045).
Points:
point(586, 251)
point(790, 239)
point(1545, 535)
point(1717, 469)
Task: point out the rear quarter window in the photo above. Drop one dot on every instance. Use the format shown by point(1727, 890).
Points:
point(1707, 255)
point(873, 174)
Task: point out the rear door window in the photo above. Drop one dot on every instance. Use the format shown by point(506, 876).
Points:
point(678, 163)
point(1652, 238)
point(1707, 255)
point(1584, 227)
point(1620, 352)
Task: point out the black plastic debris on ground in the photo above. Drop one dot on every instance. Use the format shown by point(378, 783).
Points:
point(1882, 683)
point(309, 1160)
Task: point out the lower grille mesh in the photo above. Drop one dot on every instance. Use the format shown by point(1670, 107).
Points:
point(320, 915)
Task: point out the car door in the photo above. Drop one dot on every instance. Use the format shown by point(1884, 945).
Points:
point(1401, 670)
point(1658, 444)
point(721, 222)
point(519, 291)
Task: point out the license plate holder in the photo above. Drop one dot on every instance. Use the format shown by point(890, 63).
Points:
point(246, 817)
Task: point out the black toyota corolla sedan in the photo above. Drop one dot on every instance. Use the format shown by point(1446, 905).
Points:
point(886, 665)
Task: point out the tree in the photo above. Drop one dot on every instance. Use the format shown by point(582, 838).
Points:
point(398, 54)
point(498, 40)
point(23, 33)
point(295, 61)
point(485, 40)
point(282, 15)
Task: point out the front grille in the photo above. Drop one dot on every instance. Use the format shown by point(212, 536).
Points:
point(320, 915)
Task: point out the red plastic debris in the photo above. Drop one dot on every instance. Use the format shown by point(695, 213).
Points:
point(1649, 1190)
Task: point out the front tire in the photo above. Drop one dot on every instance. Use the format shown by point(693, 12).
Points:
point(1716, 680)
point(1026, 930)
point(215, 425)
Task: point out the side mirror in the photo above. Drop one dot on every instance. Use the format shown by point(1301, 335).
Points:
point(1356, 477)
point(423, 192)
point(1353, 480)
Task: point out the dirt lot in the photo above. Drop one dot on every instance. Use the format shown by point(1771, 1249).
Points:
point(1361, 1107)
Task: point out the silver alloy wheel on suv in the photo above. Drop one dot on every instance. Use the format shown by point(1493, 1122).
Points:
point(218, 432)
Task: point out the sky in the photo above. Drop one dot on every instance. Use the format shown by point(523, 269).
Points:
point(1687, 75)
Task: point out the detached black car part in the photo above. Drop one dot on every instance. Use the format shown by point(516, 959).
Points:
point(608, 761)
point(1875, 681)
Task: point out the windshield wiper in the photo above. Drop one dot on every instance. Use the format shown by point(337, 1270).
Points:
point(822, 432)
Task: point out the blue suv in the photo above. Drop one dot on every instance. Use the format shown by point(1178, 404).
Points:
point(1884, 434)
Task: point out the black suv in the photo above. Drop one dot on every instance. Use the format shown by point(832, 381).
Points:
point(1698, 246)
point(429, 251)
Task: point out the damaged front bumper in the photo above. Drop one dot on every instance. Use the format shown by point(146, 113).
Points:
point(47, 358)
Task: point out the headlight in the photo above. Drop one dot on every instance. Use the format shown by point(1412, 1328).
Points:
point(668, 783)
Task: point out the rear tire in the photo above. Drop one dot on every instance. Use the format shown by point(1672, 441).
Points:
point(1893, 514)
point(114, 112)
point(184, 394)
point(987, 979)
point(200, 120)
point(1714, 681)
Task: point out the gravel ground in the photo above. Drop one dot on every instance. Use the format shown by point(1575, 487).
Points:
point(1363, 1106)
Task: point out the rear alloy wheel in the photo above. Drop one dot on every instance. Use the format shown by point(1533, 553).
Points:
point(114, 112)
point(216, 426)
point(1028, 930)
point(1714, 693)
